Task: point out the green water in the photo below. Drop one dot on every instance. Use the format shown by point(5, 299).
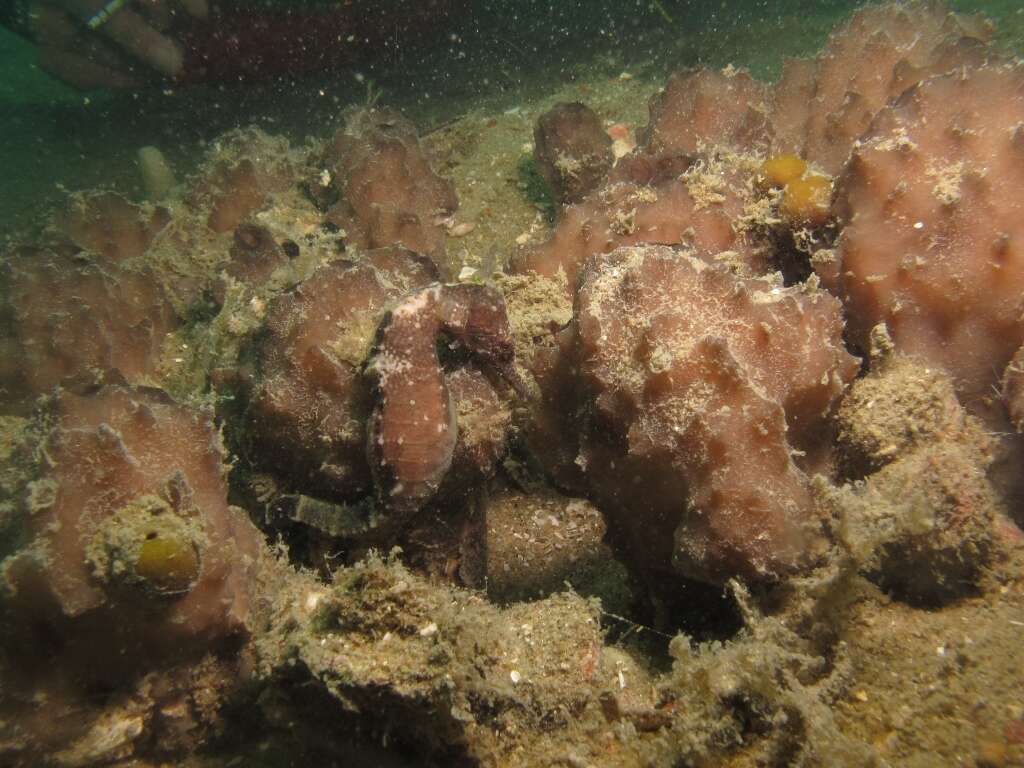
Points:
point(56, 137)
point(489, 53)
point(490, 58)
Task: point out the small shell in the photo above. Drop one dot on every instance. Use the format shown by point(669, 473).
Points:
point(622, 147)
point(461, 229)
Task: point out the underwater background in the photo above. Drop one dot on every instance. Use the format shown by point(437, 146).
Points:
point(504, 53)
point(241, 603)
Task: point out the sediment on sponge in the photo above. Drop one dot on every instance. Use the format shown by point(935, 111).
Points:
point(521, 563)
point(921, 517)
point(387, 192)
point(1013, 389)
point(73, 321)
point(933, 226)
point(696, 385)
point(900, 406)
point(821, 107)
point(130, 562)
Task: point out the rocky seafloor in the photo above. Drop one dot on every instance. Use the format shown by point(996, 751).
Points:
point(544, 438)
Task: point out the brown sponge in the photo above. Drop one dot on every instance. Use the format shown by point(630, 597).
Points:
point(572, 151)
point(73, 321)
point(820, 108)
point(933, 226)
point(703, 208)
point(706, 107)
point(389, 194)
point(110, 228)
point(695, 388)
point(131, 557)
point(245, 170)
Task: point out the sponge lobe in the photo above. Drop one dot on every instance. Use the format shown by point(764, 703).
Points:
point(72, 321)
point(933, 238)
point(696, 386)
point(110, 227)
point(707, 107)
point(572, 151)
point(822, 107)
point(389, 193)
point(128, 467)
point(703, 208)
point(246, 170)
